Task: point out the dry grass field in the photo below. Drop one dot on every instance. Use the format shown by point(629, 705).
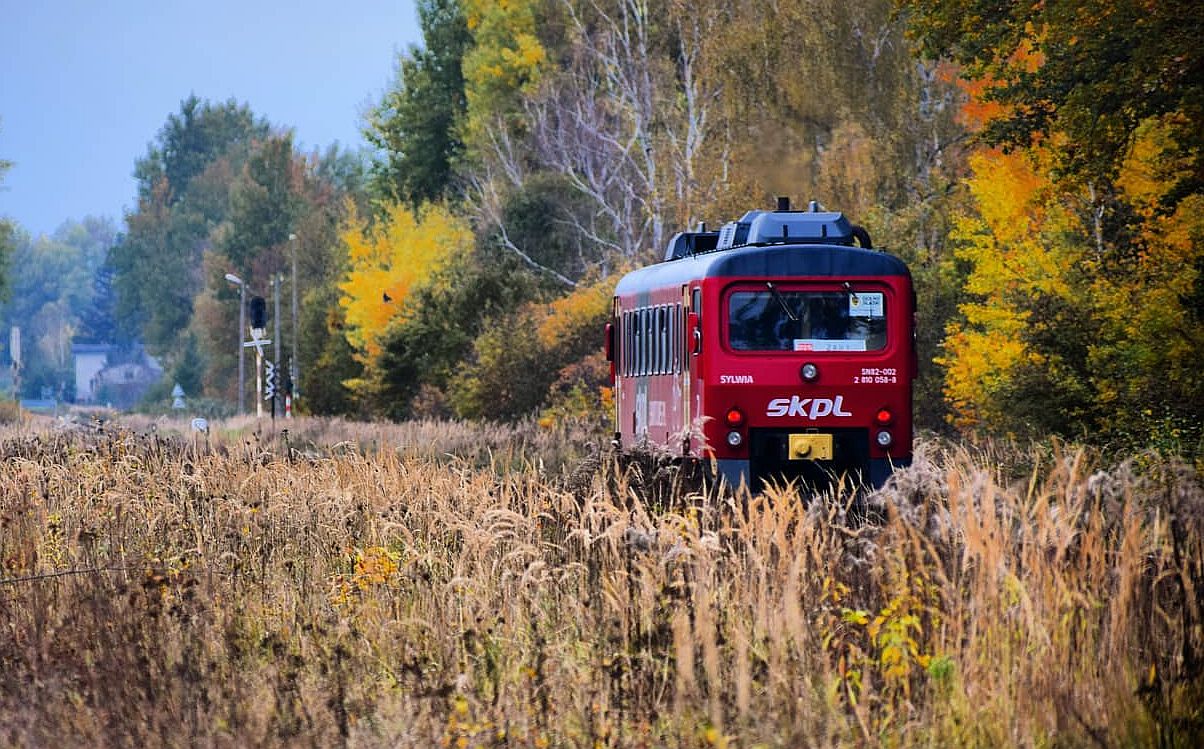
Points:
point(431, 585)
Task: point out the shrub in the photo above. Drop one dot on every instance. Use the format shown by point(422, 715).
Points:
point(10, 412)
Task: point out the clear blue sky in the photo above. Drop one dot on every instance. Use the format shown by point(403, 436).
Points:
point(86, 85)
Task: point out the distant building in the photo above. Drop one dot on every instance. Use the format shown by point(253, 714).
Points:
point(115, 376)
point(90, 359)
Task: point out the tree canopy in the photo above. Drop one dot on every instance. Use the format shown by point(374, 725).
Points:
point(1087, 74)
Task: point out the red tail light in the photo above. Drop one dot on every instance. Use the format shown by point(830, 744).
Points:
point(883, 417)
point(734, 417)
point(610, 351)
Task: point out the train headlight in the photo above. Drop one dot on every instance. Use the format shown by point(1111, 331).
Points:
point(734, 417)
point(809, 372)
point(734, 439)
point(884, 439)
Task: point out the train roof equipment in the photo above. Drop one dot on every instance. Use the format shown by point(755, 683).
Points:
point(764, 228)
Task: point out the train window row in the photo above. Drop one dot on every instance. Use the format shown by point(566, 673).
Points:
point(652, 341)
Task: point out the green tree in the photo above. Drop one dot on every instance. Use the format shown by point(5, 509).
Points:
point(157, 269)
point(51, 296)
point(191, 140)
point(415, 126)
point(264, 203)
point(443, 317)
point(7, 231)
point(329, 360)
point(7, 234)
point(184, 183)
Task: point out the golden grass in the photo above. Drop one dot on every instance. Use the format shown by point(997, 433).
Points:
point(451, 585)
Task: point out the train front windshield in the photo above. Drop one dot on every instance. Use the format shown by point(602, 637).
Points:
point(783, 319)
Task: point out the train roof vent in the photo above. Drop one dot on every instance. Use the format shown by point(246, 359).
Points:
point(685, 243)
point(811, 227)
point(735, 233)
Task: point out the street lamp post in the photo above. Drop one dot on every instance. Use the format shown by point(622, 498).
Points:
point(242, 312)
point(294, 366)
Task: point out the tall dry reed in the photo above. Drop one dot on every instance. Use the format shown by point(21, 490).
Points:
point(446, 585)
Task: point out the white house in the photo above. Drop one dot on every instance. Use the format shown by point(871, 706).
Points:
point(123, 383)
point(90, 359)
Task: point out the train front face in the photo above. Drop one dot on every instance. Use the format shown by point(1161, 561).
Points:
point(810, 379)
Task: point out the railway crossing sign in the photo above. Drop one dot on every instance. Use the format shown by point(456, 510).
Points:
point(269, 381)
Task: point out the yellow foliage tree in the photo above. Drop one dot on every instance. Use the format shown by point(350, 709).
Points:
point(565, 318)
point(387, 261)
point(1020, 246)
point(1068, 331)
point(1152, 311)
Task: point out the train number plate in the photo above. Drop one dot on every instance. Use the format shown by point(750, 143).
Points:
point(810, 447)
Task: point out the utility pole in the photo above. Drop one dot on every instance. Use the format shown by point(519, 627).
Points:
point(242, 322)
point(294, 368)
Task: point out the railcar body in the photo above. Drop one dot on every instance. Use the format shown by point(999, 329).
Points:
point(774, 347)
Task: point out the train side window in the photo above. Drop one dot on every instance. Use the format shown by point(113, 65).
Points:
point(661, 340)
point(655, 340)
point(639, 342)
point(682, 348)
point(671, 326)
point(624, 340)
point(622, 344)
point(650, 337)
point(633, 367)
point(627, 344)
point(696, 301)
point(635, 343)
point(654, 363)
point(668, 345)
point(645, 344)
point(670, 365)
point(649, 341)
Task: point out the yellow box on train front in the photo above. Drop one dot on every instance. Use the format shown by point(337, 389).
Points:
point(810, 447)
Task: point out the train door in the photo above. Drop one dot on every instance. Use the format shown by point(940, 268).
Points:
point(692, 369)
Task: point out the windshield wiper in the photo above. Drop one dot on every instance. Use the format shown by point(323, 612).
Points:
point(778, 296)
point(849, 288)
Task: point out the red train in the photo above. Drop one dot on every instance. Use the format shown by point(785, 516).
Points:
point(775, 346)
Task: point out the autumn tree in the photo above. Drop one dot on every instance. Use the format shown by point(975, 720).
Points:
point(285, 210)
point(520, 355)
point(1105, 67)
point(387, 261)
point(1082, 242)
point(425, 347)
point(192, 139)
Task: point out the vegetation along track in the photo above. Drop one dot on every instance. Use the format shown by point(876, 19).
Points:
point(431, 584)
